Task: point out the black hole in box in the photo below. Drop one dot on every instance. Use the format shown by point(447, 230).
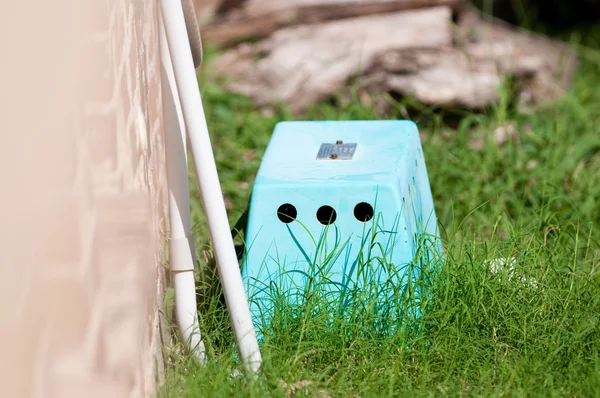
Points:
point(363, 212)
point(287, 213)
point(326, 215)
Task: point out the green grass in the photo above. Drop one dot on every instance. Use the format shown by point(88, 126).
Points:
point(534, 331)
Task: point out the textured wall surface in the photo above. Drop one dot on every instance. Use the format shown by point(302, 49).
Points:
point(82, 177)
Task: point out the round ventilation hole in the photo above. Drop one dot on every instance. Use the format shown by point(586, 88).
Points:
point(363, 212)
point(287, 213)
point(326, 215)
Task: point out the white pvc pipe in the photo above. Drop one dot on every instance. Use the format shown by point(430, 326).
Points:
point(182, 253)
point(210, 187)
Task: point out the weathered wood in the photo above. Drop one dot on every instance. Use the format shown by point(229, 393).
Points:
point(545, 67)
point(259, 18)
point(206, 10)
point(414, 53)
point(343, 8)
point(302, 65)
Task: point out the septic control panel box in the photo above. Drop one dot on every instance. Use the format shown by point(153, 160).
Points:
point(337, 206)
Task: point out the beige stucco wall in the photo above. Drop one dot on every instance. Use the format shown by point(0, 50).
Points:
point(81, 209)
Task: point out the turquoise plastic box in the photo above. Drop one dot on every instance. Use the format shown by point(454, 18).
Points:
point(341, 205)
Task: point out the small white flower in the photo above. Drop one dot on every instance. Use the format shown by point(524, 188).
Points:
point(498, 264)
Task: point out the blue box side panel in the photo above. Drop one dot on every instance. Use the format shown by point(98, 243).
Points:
point(288, 253)
point(387, 170)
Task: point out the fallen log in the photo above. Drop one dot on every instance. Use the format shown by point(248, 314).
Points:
point(545, 66)
point(305, 64)
point(257, 19)
point(414, 53)
point(207, 10)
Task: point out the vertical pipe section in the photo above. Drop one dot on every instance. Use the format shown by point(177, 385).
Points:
point(210, 187)
point(181, 243)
